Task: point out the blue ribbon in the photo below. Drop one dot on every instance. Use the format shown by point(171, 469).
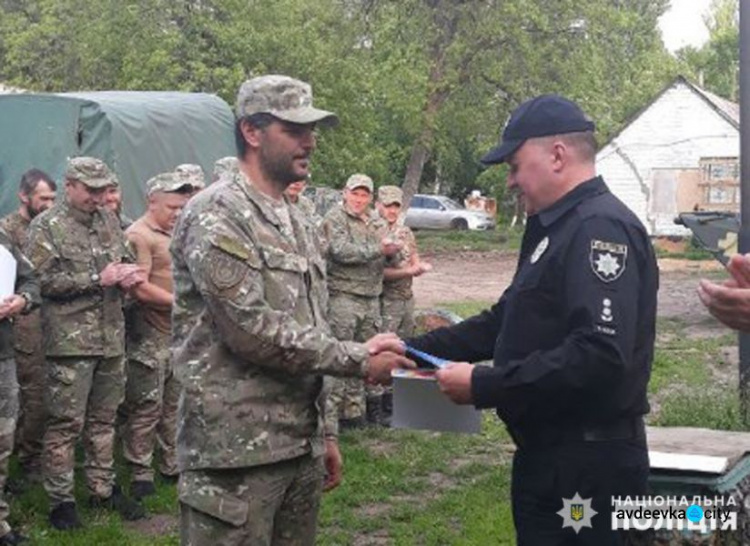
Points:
point(430, 359)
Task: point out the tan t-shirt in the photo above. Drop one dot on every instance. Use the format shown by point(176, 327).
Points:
point(151, 247)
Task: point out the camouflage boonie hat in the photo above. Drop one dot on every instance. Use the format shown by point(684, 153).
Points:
point(283, 97)
point(166, 182)
point(191, 174)
point(91, 171)
point(223, 166)
point(359, 181)
point(390, 194)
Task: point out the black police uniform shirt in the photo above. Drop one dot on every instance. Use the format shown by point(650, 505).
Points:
point(572, 338)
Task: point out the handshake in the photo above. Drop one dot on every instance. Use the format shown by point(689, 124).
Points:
point(386, 353)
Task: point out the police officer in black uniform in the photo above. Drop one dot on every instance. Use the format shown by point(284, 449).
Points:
point(572, 338)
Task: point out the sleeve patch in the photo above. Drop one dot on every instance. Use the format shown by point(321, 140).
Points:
point(608, 260)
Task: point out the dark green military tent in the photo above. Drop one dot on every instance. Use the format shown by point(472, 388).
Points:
point(138, 134)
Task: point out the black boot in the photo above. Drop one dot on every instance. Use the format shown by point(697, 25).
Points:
point(386, 409)
point(64, 516)
point(12, 538)
point(373, 411)
point(141, 489)
point(118, 502)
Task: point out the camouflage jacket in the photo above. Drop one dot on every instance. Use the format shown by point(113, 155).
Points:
point(27, 328)
point(400, 289)
point(26, 283)
point(250, 337)
point(67, 247)
point(355, 260)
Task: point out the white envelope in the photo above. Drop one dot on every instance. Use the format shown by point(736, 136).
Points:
point(419, 404)
point(7, 273)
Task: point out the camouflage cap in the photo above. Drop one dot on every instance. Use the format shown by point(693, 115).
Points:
point(223, 166)
point(166, 182)
point(359, 181)
point(191, 174)
point(91, 171)
point(390, 194)
point(283, 97)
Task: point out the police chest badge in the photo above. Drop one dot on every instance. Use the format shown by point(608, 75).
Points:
point(539, 250)
point(608, 260)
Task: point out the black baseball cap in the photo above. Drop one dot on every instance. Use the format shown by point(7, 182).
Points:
point(541, 116)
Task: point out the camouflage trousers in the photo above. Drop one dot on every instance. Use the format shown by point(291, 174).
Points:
point(166, 430)
point(398, 317)
point(270, 505)
point(83, 395)
point(32, 418)
point(352, 318)
point(148, 373)
point(8, 416)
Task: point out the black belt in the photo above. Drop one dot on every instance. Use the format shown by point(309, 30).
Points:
point(623, 429)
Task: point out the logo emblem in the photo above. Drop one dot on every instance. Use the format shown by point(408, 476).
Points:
point(539, 250)
point(608, 260)
point(576, 513)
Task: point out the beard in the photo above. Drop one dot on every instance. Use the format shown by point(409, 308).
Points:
point(278, 168)
point(34, 211)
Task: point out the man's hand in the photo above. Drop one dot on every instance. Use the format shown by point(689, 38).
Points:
point(421, 267)
point(133, 279)
point(117, 273)
point(381, 365)
point(11, 306)
point(455, 381)
point(389, 247)
point(334, 464)
point(385, 342)
point(727, 302)
point(739, 268)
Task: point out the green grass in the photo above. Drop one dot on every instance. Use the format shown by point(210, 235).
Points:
point(410, 487)
point(507, 239)
point(691, 253)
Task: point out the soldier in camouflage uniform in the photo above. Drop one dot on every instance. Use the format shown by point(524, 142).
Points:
point(151, 391)
point(252, 341)
point(78, 250)
point(37, 194)
point(193, 175)
point(397, 299)
point(225, 165)
point(356, 252)
point(26, 297)
point(294, 193)
point(112, 200)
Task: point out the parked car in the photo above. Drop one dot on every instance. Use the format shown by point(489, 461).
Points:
point(440, 212)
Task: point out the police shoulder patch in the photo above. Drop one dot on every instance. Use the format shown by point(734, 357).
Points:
point(608, 260)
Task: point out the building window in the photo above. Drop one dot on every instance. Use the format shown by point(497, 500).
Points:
point(720, 168)
point(720, 195)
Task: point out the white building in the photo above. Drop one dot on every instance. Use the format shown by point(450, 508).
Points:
point(678, 154)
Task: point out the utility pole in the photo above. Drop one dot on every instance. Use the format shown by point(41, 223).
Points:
point(744, 239)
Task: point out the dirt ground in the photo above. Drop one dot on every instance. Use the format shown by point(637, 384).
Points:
point(482, 276)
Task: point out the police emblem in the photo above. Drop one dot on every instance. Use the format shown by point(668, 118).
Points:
point(608, 260)
point(539, 250)
point(576, 513)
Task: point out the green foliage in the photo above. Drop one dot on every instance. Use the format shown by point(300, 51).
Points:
point(431, 241)
point(402, 75)
point(716, 63)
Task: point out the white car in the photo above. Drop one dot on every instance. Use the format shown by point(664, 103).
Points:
point(440, 212)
